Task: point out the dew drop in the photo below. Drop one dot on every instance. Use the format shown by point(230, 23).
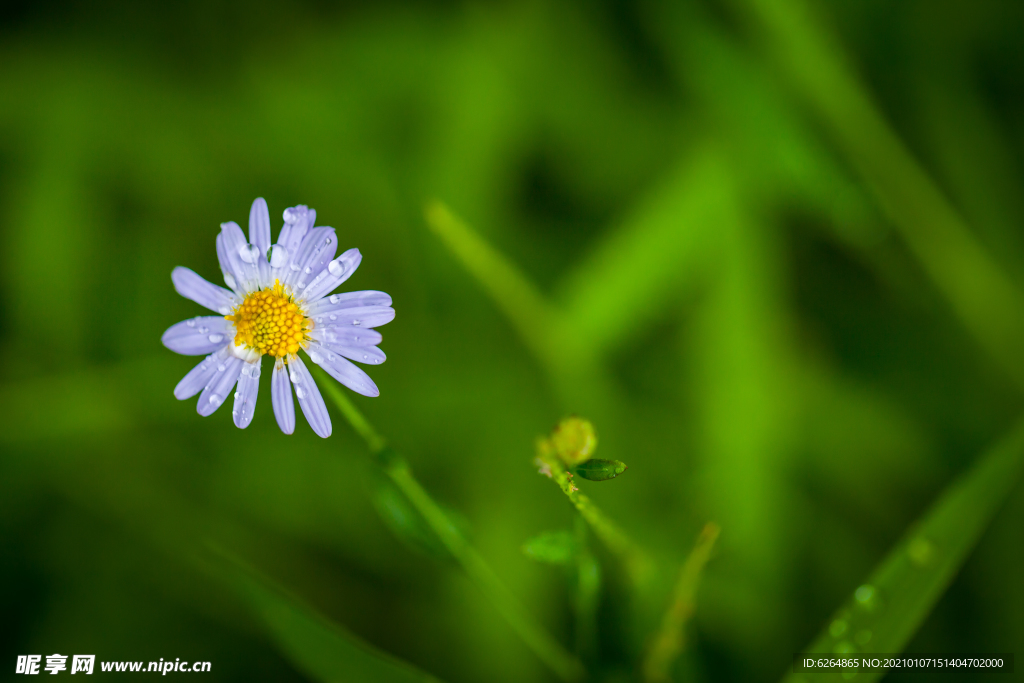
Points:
point(296, 379)
point(234, 413)
point(248, 252)
point(278, 256)
point(224, 310)
point(328, 241)
point(191, 322)
point(301, 285)
point(866, 597)
point(216, 399)
point(238, 395)
point(921, 551)
point(214, 338)
point(203, 329)
point(316, 357)
point(331, 357)
point(294, 266)
point(308, 270)
point(837, 628)
point(336, 268)
point(221, 367)
point(291, 216)
point(334, 298)
point(356, 322)
point(333, 317)
point(229, 280)
point(300, 392)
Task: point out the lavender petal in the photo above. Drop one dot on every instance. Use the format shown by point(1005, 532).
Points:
point(198, 336)
point(191, 286)
point(281, 397)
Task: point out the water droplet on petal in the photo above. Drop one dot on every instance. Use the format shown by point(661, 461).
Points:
point(333, 317)
point(229, 280)
point(238, 395)
point(248, 252)
point(215, 399)
point(203, 330)
point(334, 298)
point(221, 367)
point(278, 256)
point(296, 379)
point(356, 322)
point(191, 322)
point(301, 285)
point(316, 357)
point(224, 310)
point(308, 270)
point(293, 266)
point(328, 240)
point(214, 338)
point(336, 268)
point(300, 392)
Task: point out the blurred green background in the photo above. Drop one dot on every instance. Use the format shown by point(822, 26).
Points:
point(782, 252)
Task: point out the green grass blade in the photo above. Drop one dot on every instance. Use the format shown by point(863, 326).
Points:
point(523, 304)
point(662, 246)
point(976, 286)
point(316, 646)
point(886, 611)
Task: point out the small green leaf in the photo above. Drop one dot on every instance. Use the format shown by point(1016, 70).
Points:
point(887, 609)
point(600, 470)
point(552, 547)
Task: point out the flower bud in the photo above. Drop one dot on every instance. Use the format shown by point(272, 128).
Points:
point(600, 470)
point(574, 440)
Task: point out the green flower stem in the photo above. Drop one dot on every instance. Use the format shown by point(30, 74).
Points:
point(637, 564)
point(586, 594)
point(552, 653)
point(667, 644)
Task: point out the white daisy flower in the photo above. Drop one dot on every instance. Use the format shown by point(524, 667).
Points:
point(278, 306)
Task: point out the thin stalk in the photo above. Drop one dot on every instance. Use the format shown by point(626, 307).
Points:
point(638, 565)
point(587, 590)
point(549, 650)
point(668, 642)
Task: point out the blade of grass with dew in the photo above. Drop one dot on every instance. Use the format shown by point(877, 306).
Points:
point(667, 643)
point(547, 649)
point(885, 612)
point(981, 294)
point(318, 647)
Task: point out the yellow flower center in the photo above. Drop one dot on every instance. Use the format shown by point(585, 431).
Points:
point(270, 322)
